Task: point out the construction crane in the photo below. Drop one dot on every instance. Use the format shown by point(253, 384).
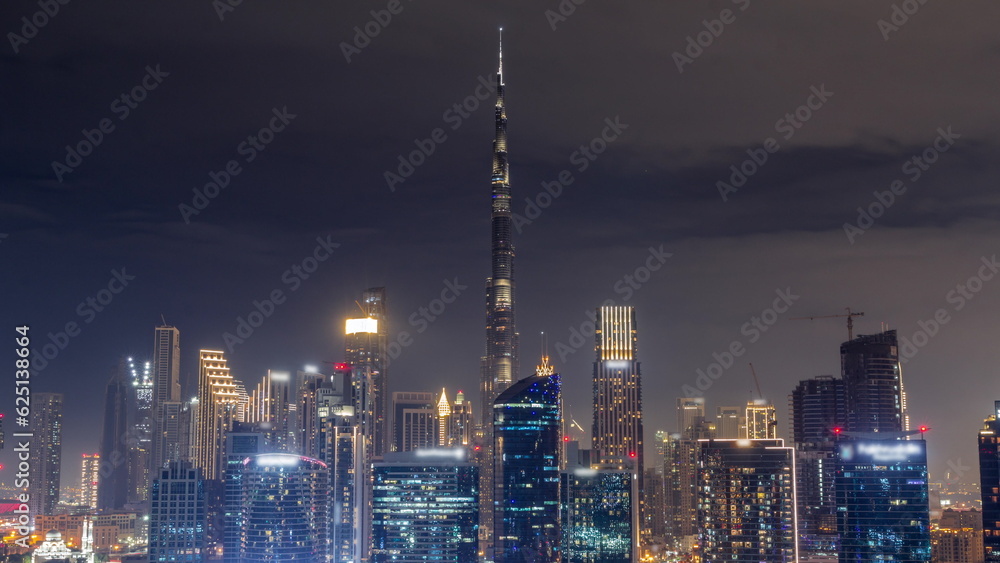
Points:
point(850, 320)
point(755, 382)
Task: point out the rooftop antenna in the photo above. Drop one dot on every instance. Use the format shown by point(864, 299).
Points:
point(164, 319)
point(500, 70)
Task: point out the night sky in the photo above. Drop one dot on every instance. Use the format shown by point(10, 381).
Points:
point(880, 95)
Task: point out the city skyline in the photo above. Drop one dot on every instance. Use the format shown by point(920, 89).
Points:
point(653, 188)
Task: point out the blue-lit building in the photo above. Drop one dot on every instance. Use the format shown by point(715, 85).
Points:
point(746, 501)
point(989, 475)
point(425, 507)
point(882, 499)
point(178, 517)
point(527, 443)
point(244, 441)
point(599, 515)
point(284, 509)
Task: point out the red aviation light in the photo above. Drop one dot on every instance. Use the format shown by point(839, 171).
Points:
point(565, 438)
point(631, 454)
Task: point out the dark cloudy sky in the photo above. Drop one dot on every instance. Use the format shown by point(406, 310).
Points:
point(889, 93)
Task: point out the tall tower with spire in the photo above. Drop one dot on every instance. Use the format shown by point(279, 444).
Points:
point(499, 365)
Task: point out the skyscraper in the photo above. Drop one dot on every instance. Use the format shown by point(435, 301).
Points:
point(415, 421)
point(746, 507)
point(682, 477)
point(215, 411)
point(599, 515)
point(425, 507)
point(761, 420)
point(527, 440)
point(958, 537)
point(989, 481)
point(461, 423)
point(271, 406)
point(500, 362)
point(89, 470)
point(366, 347)
point(617, 432)
point(882, 498)
point(113, 486)
point(141, 431)
point(178, 517)
point(244, 441)
point(284, 509)
point(443, 419)
point(730, 422)
point(46, 452)
point(166, 389)
point(873, 383)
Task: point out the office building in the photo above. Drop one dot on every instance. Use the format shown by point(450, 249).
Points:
point(415, 421)
point(272, 406)
point(746, 504)
point(113, 486)
point(46, 452)
point(499, 365)
point(425, 507)
point(882, 498)
point(461, 423)
point(989, 483)
point(873, 384)
point(141, 431)
point(244, 441)
point(178, 515)
point(166, 400)
point(600, 520)
point(730, 423)
point(761, 420)
point(617, 430)
point(527, 419)
point(284, 509)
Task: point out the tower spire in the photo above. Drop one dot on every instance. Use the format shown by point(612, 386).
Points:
point(500, 69)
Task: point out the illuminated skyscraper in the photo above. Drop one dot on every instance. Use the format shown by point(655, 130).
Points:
point(617, 437)
point(426, 507)
point(46, 452)
point(873, 383)
point(415, 421)
point(141, 431)
point(882, 498)
point(746, 504)
point(500, 362)
point(761, 421)
point(989, 482)
point(461, 423)
point(528, 441)
point(599, 515)
point(284, 509)
point(681, 477)
point(215, 411)
point(166, 389)
point(690, 415)
point(178, 518)
point(89, 470)
point(113, 487)
point(443, 419)
point(366, 347)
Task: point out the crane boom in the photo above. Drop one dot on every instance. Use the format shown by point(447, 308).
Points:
point(850, 320)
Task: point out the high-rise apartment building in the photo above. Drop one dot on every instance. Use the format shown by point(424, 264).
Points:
point(730, 422)
point(958, 537)
point(746, 506)
point(244, 441)
point(882, 498)
point(617, 437)
point(216, 408)
point(366, 348)
point(272, 405)
point(45, 458)
point(415, 421)
point(527, 420)
point(425, 507)
point(499, 367)
point(113, 487)
point(178, 518)
point(89, 471)
point(873, 383)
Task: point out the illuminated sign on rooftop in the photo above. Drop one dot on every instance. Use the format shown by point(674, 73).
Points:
point(882, 451)
point(368, 325)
